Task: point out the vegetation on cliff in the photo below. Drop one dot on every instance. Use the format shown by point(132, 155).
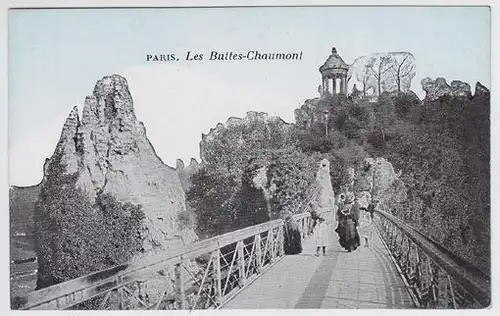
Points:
point(75, 237)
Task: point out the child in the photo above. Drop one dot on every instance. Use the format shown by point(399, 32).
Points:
point(367, 221)
point(321, 235)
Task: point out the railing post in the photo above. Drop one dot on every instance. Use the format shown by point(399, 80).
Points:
point(218, 278)
point(281, 237)
point(181, 276)
point(303, 227)
point(119, 291)
point(270, 236)
point(258, 252)
point(241, 262)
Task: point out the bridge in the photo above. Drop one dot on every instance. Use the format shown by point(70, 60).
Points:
point(248, 269)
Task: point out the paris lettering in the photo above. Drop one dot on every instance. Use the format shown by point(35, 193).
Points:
point(250, 55)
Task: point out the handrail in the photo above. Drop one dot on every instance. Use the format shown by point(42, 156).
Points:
point(466, 276)
point(73, 292)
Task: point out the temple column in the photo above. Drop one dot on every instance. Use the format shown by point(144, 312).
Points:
point(342, 85)
point(325, 85)
point(334, 85)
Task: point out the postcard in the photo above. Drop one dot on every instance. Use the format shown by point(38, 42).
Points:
point(283, 157)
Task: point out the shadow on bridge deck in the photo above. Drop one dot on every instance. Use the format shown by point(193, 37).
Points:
point(365, 278)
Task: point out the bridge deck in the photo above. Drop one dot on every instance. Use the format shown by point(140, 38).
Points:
point(365, 278)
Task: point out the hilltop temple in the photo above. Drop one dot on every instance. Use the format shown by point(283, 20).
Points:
point(334, 75)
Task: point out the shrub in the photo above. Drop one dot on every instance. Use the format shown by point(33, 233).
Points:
point(404, 103)
point(186, 219)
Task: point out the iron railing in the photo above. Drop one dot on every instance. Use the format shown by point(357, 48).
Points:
point(435, 277)
point(203, 275)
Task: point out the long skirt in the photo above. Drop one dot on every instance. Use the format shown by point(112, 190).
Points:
point(348, 235)
point(292, 240)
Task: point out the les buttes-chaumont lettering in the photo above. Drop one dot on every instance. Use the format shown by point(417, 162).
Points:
point(225, 56)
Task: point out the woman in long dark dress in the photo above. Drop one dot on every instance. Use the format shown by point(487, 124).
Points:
point(293, 237)
point(352, 240)
point(347, 229)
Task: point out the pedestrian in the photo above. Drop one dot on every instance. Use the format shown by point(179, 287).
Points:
point(366, 222)
point(348, 223)
point(321, 235)
point(292, 236)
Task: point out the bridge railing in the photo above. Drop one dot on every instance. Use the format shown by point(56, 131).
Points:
point(203, 275)
point(435, 276)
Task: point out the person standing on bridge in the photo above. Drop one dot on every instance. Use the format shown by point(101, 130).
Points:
point(347, 225)
point(292, 235)
point(366, 221)
point(320, 235)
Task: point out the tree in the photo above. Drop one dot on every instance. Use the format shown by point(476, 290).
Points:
point(384, 115)
point(378, 68)
point(401, 68)
point(366, 76)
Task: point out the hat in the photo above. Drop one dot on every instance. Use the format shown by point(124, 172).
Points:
point(350, 198)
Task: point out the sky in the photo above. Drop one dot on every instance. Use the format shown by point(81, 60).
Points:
point(57, 55)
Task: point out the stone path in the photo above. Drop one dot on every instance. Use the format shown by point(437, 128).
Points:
point(365, 278)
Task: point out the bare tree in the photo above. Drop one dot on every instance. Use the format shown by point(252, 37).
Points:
point(366, 76)
point(401, 69)
point(379, 67)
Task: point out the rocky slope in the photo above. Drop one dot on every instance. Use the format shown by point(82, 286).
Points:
point(109, 151)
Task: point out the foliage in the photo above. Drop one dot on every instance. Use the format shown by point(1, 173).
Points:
point(445, 160)
point(211, 196)
point(223, 193)
point(404, 103)
point(338, 171)
point(291, 173)
point(75, 237)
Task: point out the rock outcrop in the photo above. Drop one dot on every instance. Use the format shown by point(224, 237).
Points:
point(481, 91)
point(109, 151)
point(375, 179)
point(435, 89)
point(460, 89)
point(185, 173)
point(438, 88)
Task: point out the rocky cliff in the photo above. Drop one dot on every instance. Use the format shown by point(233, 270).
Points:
point(110, 153)
point(439, 87)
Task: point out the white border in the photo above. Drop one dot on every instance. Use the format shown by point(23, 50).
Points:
point(5, 290)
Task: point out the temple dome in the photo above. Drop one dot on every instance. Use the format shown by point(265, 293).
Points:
point(334, 61)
